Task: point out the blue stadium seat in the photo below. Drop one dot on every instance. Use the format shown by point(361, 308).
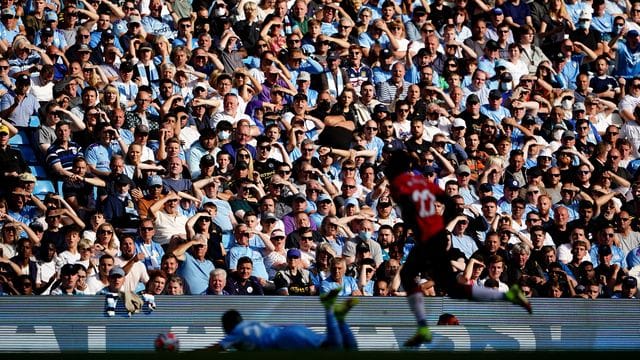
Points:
point(28, 154)
point(21, 138)
point(34, 121)
point(42, 188)
point(38, 171)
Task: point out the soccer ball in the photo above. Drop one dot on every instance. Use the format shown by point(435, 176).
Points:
point(167, 342)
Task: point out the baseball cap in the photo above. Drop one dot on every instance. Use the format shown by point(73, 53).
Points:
point(47, 31)
point(604, 250)
point(386, 53)
point(362, 247)
point(268, 216)
point(116, 271)
point(419, 10)
point(428, 170)
point(207, 160)
point(293, 253)
point(463, 169)
point(512, 184)
point(568, 134)
point(8, 12)
point(492, 45)
point(497, 11)
point(84, 48)
point(23, 79)
point(126, 67)
point(134, 19)
point(26, 176)
point(207, 133)
point(122, 179)
point(323, 197)
point(142, 129)
point(579, 106)
point(559, 56)
point(485, 187)
point(299, 196)
point(540, 140)
point(391, 147)
point(4, 129)
point(334, 55)
point(528, 119)
point(145, 46)
point(459, 123)
point(303, 76)
point(380, 108)
point(495, 94)
point(277, 233)
point(351, 202)
point(36, 226)
point(632, 33)
point(107, 34)
point(534, 172)
point(473, 99)
point(585, 15)
point(629, 282)
point(506, 77)
point(51, 16)
point(154, 180)
point(70, 269)
point(545, 152)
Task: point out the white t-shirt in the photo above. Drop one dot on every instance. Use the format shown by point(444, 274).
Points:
point(167, 225)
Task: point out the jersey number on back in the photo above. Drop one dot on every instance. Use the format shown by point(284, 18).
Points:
point(425, 200)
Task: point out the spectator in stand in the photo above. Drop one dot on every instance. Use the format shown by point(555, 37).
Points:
point(242, 282)
point(194, 267)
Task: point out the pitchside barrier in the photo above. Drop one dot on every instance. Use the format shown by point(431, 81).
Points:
point(52, 324)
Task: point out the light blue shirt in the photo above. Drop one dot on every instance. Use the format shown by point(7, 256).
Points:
point(159, 27)
point(628, 60)
point(99, 156)
point(236, 252)
point(495, 115)
point(195, 274)
point(349, 285)
point(22, 113)
point(464, 243)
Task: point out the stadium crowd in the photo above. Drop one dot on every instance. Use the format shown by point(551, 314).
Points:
point(198, 147)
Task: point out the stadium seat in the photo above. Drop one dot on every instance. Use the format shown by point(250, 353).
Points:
point(21, 138)
point(28, 154)
point(34, 121)
point(42, 188)
point(39, 171)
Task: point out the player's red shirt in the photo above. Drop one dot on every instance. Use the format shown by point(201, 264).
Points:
point(416, 197)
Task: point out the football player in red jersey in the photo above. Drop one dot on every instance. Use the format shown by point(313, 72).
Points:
point(416, 197)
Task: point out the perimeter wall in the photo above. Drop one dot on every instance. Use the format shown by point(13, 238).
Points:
point(35, 324)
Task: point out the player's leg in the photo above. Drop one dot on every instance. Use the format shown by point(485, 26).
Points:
point(481, 293)
point(349, 341)
point(408, 274)
point(333, 338)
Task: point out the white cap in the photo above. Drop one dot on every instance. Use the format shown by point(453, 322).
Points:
point(585, 14)
point(540, 140)
point(458, 122)
point(545, 152)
